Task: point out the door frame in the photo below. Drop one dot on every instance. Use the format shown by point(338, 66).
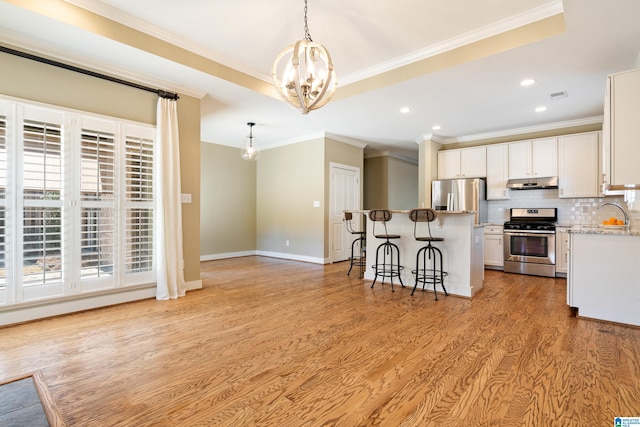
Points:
point(332, 167)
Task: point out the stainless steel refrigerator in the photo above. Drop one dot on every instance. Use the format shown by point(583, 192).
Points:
point(468, 194)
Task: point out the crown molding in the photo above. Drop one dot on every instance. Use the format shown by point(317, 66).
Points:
point(347, 140)
point(516, 131)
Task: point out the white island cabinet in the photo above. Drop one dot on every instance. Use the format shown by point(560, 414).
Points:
point(604, 278)
point(462, 251)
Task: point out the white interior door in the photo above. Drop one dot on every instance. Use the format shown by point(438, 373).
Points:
point(344, 195)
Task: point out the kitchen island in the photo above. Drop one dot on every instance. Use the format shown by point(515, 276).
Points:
point(462, 250)
point(604, 277)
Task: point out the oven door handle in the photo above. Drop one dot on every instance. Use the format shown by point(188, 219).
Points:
point(529, 232)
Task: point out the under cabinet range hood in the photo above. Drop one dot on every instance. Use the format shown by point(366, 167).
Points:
point(533, 183)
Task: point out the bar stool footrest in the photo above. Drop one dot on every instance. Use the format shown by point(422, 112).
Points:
point(427, 275)
point(387, 270)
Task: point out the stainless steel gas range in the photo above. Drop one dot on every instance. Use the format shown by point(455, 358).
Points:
point(530, 241)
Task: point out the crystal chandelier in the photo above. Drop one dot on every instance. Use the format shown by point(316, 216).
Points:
point(303, 73)
point(249, 152)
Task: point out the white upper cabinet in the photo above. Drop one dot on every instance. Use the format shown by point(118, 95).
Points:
point(473, 162)
point(519, 159)
point(544, 157)
point(497, 171)
point(533, 158)
point(578, 168)
point(448, 164)
point(462, 163)
point(622, 128)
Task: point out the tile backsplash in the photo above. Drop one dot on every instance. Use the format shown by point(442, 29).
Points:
point(570, 211)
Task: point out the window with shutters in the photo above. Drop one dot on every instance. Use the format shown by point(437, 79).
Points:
point(77, 203)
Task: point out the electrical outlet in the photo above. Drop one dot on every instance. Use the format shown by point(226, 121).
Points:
point(286, 243)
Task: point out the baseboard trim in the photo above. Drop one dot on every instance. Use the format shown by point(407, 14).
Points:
point(280, 255)
point(226, 255)
point(194, 285)
point(24, 313)
point(292, 257)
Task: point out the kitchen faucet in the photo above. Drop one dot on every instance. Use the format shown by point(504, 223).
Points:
point(626, 217)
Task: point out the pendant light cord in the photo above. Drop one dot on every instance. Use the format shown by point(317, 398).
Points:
point(307, 36)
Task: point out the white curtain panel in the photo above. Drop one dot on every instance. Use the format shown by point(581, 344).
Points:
point(170, 260)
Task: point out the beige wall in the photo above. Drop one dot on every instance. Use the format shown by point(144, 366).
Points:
point(270, 201)
point(23, 78)
point(427, 171)
point(376, 183)
point(403, 184)
point(228, 208)
point(390, 183)
point(289, 180)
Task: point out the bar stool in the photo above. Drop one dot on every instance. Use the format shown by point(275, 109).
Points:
point(389, 269)
point(360, 241)
point(433, 275)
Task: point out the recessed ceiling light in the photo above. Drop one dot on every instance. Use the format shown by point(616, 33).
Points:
point(540, 109)
point(527, 82)
point(405, 110)
point(435, 127)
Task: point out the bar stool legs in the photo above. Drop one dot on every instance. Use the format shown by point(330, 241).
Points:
point(358, 258)
point(435, 274)
point(389, 269)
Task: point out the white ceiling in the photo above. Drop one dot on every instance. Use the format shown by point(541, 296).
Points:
point(474, 99)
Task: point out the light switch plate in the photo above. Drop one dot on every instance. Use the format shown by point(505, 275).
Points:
point(185, 198)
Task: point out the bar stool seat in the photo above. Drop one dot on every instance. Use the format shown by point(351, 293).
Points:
point(435, 274)
point(358, 246)
point(385, 267)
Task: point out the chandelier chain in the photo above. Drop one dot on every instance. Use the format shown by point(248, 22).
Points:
point(307, 36)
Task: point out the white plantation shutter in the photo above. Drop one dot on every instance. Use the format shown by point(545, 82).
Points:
point(77, 203)
point(41, 193)
point(98, 192)
point(139, 202)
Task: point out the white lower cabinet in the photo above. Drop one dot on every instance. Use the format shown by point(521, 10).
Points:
point(562, 250)
point(493, 247)
point(604, 277)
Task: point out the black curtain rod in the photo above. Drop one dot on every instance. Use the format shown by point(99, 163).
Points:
point(161, 93)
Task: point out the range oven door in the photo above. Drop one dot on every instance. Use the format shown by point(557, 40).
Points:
point(530, 252)
point(530, 246)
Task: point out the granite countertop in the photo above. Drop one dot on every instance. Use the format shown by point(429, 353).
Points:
point(406, 211)
point(587, 229)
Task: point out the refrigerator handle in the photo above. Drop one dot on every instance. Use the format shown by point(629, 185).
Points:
point(449, 201)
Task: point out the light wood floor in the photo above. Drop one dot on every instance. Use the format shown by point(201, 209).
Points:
point(270, 342)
